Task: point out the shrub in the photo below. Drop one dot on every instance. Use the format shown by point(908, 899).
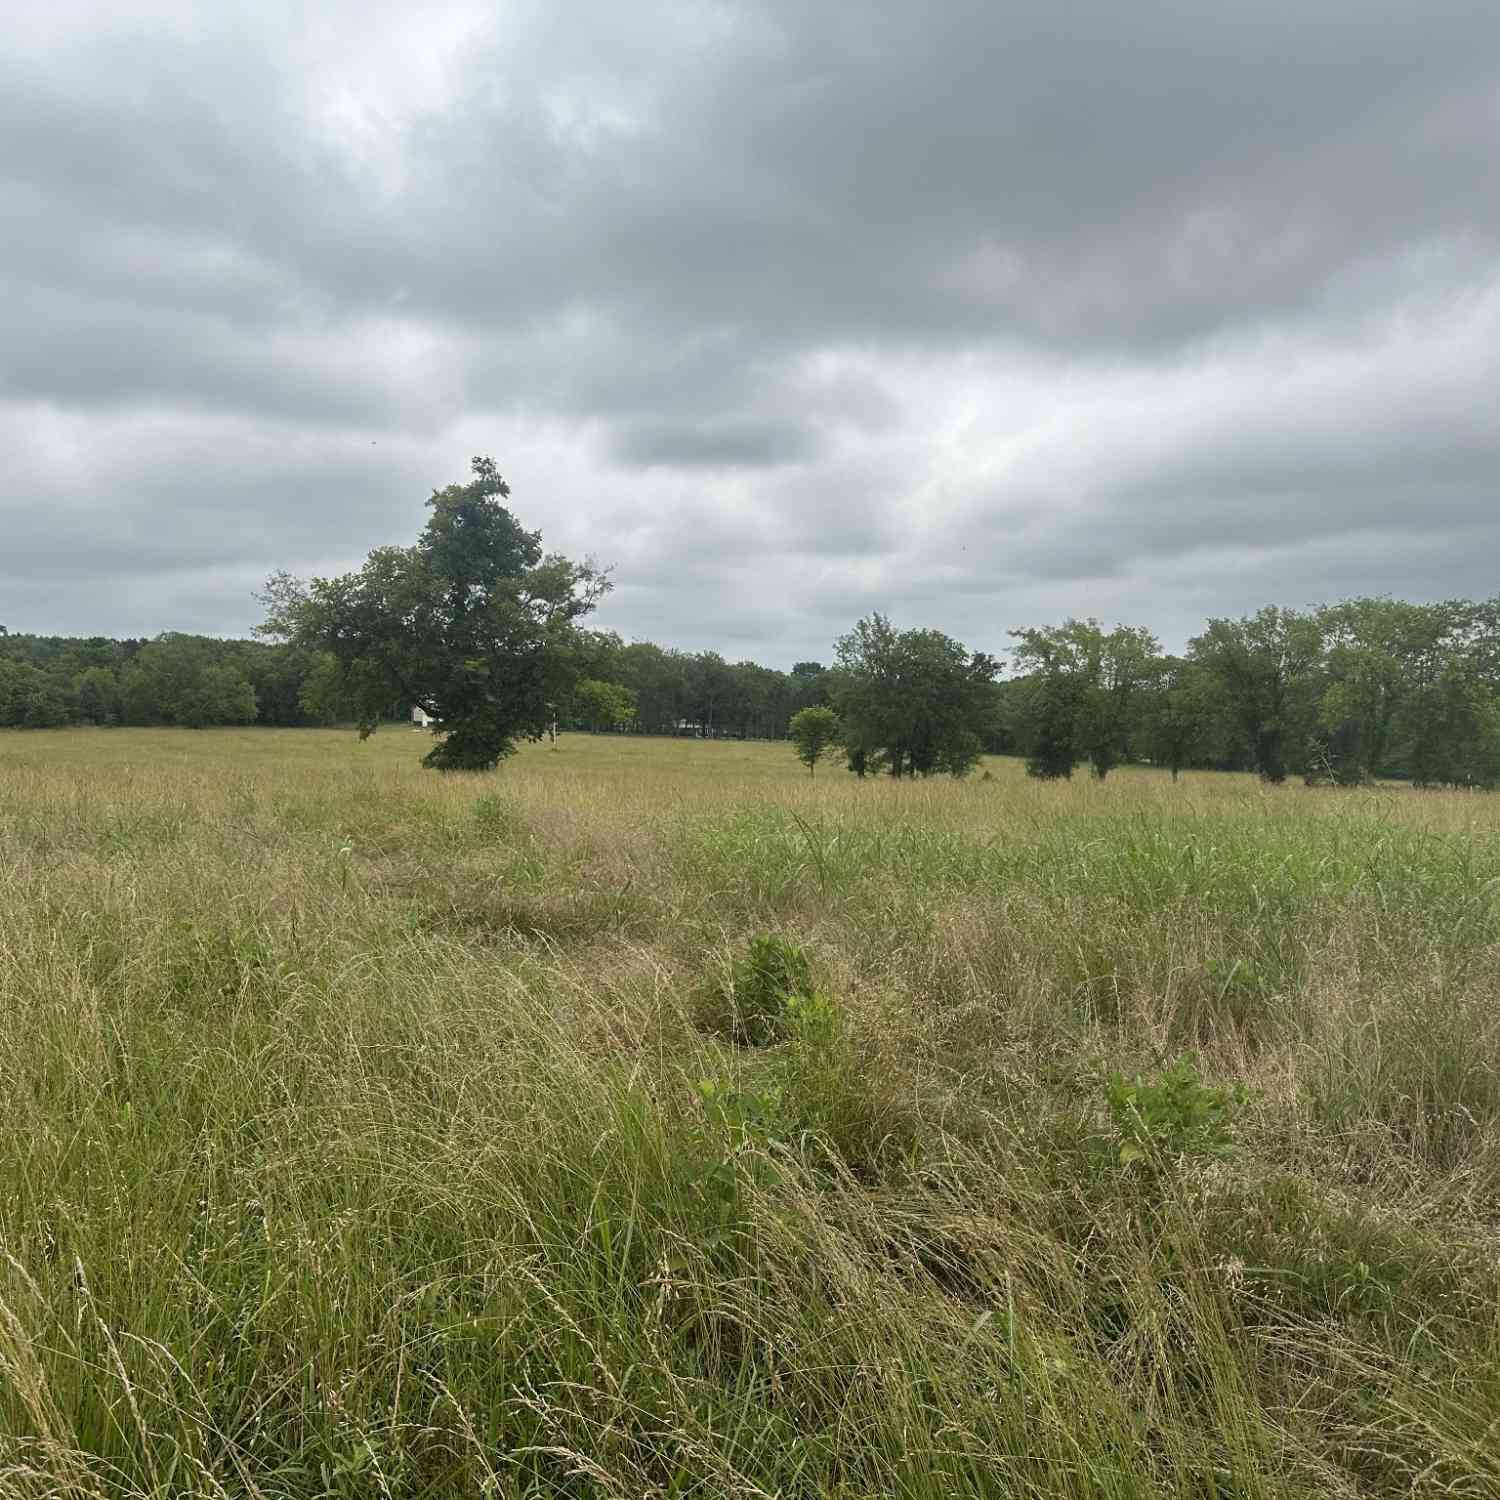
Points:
point(743, 1125)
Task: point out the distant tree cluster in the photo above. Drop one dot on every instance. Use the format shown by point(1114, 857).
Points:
point(191, 681)
point(665, 691)
point(481, 629)
point(1345, 693)
point(910, 702)
point(641, 688)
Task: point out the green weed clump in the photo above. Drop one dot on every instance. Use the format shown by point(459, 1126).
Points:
point(751, 999)
point(373, 1133)
point(1176, 1115)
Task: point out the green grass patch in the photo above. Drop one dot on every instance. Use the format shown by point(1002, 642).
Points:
point(649, 1118)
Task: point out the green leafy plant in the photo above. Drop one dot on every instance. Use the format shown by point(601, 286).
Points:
point(811, 1098)
point(750, 1122)
point(757, 988)
point(1173, 1116)
point(813, 1019)
point(744, 1126)
point(749, 1116)
point(824, 1093)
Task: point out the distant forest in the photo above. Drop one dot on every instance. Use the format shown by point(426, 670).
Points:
point(199, 681)
point(1365, 688)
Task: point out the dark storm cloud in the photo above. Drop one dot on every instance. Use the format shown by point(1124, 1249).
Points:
point(1105, 175)
point(791, 310)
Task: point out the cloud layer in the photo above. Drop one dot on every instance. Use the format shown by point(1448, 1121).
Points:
point(979, 314)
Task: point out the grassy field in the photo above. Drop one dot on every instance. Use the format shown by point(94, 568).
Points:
point(369, 1132)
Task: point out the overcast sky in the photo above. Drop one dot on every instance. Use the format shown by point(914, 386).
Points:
point(979, 314)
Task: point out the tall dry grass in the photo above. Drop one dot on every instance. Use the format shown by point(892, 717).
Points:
point(372, 1132)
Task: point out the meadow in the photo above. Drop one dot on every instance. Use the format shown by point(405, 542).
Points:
point(370, 1132)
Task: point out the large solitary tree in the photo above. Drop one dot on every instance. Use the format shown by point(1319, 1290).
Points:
point(474, 624)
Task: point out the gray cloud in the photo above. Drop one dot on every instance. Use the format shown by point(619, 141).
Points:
point(978, 313)
point(722, 445)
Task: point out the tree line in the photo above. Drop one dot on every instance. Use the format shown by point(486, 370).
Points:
point(1344, 693)
point(1365, 689)
point(195, 681)
point(481, 628)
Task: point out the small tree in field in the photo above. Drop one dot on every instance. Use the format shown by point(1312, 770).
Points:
point(812, 731)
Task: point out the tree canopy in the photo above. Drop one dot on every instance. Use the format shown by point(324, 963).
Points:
point(813, 731)
point(178, 680)
point(1266, 664)
point(603, 705)
point(1088, 685)
point(911, 702)
point(473, 623)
